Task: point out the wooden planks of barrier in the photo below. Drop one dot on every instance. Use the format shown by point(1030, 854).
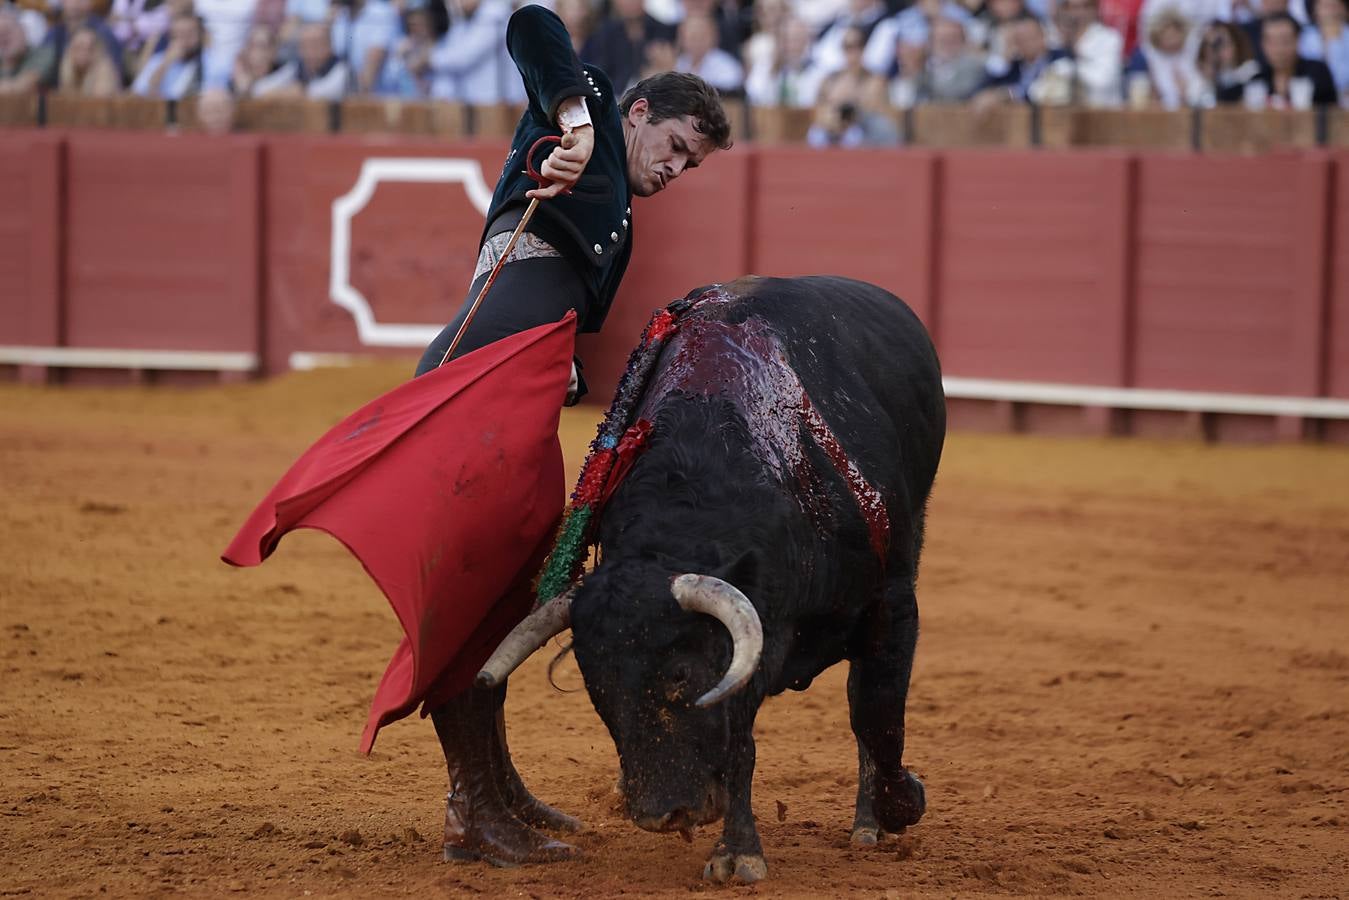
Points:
point(376, 115)
point(780, 124)
point(1337, 127)
point(1160, 129)
point(737, 113)
point(951, 125)
point(497, 121)
point(1235, 130)
point(293, 116)
point(124, 112)
point(18, 110)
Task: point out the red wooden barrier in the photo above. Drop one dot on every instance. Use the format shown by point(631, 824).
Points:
point(1231, 255)
point(1033, 269)
point(413, 236)
point(162, 243)
point(1034, 251)
point(865, 214)
point(30, 239)
point(1337, 328)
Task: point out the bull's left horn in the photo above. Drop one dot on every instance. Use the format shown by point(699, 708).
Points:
point(725, 603)
point(554, 617)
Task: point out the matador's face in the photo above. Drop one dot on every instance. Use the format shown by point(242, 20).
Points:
point(660, 152)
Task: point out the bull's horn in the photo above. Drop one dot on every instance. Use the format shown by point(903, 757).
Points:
point(725, 603)
point(554, 617)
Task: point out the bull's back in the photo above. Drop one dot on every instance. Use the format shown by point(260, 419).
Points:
point(867, 363)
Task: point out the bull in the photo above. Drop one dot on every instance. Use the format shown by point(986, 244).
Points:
point(771, 528)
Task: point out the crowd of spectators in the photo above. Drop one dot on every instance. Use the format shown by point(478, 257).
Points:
point(852, 61)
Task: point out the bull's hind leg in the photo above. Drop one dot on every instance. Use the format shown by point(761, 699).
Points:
point(888, 797)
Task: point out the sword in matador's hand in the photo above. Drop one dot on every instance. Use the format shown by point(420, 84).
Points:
point(510, 245)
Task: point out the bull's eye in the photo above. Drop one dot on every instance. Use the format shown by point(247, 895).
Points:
point(678, 686)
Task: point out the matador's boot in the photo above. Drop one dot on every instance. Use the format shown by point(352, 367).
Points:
point(478, 824)
point(517, 797)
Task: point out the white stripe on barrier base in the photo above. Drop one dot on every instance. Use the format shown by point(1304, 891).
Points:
point(1143, 398)
point(956, 388)
point(302, 361)
point(108, 358)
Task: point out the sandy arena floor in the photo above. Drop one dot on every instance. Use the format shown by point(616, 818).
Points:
point(1133, 679)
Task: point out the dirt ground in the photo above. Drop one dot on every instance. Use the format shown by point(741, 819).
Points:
point(1132, 679)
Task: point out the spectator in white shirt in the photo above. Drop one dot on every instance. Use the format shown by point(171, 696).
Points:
point(818, 13)
point(760, 48)
point(1097, 53)
point(1168, 50)
point(700, 55)
point(469, 63)
point(828, 50)
point(226, 24)
point(790, 78)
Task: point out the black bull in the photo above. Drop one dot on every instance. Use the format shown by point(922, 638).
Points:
point(796, 429)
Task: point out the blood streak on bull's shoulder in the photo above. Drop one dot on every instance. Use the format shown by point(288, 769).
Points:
point(744, 362)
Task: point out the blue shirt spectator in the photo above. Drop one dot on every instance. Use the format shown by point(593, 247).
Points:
point(307, 10)
point(177, 70)
point(1328, 39)
point(408, 71)
point(363, 34)
point(912, 26)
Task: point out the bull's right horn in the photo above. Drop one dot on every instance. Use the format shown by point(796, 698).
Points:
point(553, 618)
point(725, 603)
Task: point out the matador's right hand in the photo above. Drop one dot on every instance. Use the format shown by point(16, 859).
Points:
point(564, 165)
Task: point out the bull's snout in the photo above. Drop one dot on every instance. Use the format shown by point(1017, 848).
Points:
point(711, 808)
point(676, 820)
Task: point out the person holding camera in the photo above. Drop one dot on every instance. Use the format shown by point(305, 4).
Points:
point(851, 104)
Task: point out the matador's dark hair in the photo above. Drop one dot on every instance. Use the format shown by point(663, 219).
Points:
point(677, 94)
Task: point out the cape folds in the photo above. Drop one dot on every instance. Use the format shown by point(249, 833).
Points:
point(448, 489)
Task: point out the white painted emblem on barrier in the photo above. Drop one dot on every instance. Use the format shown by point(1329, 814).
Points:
point(467, 172)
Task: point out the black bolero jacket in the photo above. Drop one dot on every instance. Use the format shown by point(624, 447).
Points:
point(597, 216)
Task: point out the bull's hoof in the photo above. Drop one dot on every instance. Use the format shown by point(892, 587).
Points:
point(865, 836)
point(901, 804)
point(870, 836)
point(746, 869)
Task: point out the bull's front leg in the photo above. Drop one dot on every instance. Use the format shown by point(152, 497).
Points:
point(878, 687)
point(738, 856)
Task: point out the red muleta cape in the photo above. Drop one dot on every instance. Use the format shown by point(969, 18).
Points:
point(448, 489)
